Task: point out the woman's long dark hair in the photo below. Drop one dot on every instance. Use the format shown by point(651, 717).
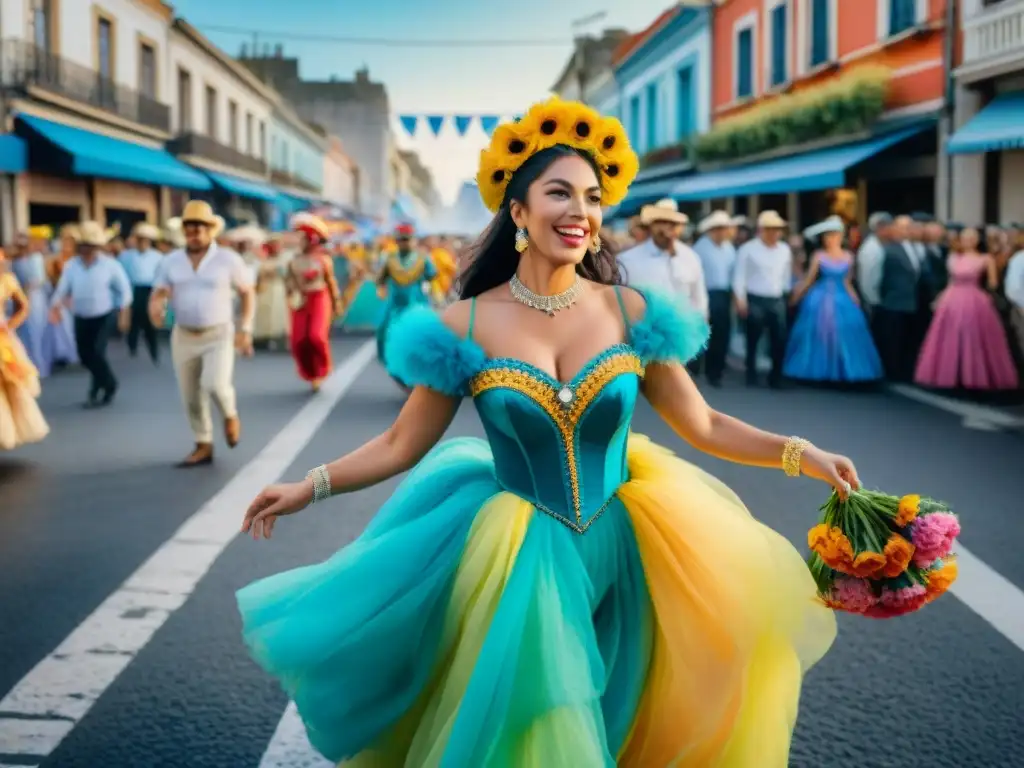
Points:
point(493, 258)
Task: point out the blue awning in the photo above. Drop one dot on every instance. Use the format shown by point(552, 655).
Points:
point(822, 169)
point(13, 154)
point(94, 154)
point(643, 193)
point(235, 185)
point(999, 125)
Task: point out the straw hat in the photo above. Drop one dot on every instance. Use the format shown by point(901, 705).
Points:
point(308, 222)
point(147, 231)
point(247, 233)
point(770, 220)
point(714, 220)
point(663, 210)
point(92, 233)
point(200, 212)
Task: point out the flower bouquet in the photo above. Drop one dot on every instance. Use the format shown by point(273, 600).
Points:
point(882, 556)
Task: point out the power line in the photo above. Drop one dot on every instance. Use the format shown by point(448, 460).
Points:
point(263, 34)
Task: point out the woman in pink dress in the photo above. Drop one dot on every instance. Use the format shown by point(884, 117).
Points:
point(966, 345)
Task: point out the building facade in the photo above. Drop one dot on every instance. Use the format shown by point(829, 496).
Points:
point(421, 184)
point(340, 177)
point(86, 91)
point(879, 63)
point(663, 78)
point(986, 145)
point(221, 116)
point(357, 110)
point(589, 65)
point(297, 152)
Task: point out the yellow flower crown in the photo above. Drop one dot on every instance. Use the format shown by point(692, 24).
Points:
point(558, 122)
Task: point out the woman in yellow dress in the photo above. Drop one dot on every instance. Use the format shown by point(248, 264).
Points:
point(21, 421)
point(565, 593)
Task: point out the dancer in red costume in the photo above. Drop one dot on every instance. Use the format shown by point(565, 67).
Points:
point(314, 300)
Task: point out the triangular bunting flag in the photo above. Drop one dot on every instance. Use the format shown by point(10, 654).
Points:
point(489, 123)
point(409, 123)
point(436, 122)
point(462, 123)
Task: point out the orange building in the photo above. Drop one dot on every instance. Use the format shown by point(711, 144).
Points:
point(823, 106)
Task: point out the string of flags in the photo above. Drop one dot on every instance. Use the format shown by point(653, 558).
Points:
point(436, 123)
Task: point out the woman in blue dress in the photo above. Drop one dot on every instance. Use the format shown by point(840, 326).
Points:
point(29, 267)
point(830, 340)
point(405, 281)
point(563, 594)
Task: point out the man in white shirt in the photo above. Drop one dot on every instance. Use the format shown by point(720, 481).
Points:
point(717, 255)
point(1013, 287)
point(663, 260)
point(764, 270)
point(141, 263)
point(200, 282)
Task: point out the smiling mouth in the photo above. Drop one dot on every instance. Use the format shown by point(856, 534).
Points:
point(572, 236)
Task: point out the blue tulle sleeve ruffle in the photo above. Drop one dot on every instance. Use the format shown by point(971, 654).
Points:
point(422, 351)
point(669, 331)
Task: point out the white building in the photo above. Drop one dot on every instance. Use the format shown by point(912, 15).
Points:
point(221, 116)
point(986, 148)
point(297, 152)
point(88, 92)
point(341, 176)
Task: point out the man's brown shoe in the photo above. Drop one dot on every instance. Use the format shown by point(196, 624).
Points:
point(200, 457)
point(232, 431)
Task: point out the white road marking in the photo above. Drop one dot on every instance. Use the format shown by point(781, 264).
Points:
point(44, 707)
point(289, 747)
point(975, 416)
point(991, 596)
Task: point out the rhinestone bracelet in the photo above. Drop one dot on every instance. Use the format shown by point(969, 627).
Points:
point(321, 483)
point(792, 453)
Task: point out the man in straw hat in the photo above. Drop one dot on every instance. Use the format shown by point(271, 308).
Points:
point(718, 259)
point(200, 281)
point(664, 260)
point(764, 272)
point(99, 294)
point(141, 263)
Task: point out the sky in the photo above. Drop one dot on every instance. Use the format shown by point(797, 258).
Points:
point(422, 80)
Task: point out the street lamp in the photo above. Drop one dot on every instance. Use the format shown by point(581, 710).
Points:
point(579, 61)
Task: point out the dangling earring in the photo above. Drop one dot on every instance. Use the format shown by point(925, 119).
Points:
point(522, 240)
point(595, 245)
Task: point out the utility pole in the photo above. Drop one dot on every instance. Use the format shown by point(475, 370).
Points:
point(579, 56)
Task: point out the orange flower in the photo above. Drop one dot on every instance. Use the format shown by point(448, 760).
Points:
point(908, 509)
point(832, 546)
point(898, 554)
point(940, 579)
point(867, 565)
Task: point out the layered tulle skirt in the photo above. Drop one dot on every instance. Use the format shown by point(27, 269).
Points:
point(21, 421)
point(465, 629)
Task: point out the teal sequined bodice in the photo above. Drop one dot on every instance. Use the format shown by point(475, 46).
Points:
point(561, 446)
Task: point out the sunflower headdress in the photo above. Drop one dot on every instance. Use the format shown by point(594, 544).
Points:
point(558, 122)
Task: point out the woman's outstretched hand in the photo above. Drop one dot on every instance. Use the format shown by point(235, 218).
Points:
point(838, 471)
point(273, 502)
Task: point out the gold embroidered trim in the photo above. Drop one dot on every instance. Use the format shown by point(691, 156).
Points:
point(405, 275)
point(565, 405)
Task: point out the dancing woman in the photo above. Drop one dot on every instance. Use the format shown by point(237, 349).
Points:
point(565, 593)
point(405, 281)
point(314, 301)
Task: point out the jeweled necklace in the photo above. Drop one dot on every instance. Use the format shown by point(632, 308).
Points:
point(548, 304)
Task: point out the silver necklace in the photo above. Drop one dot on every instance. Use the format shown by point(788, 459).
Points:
point(548, 304)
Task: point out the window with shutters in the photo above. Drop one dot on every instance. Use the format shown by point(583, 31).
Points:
point(778, 30)
point(744, 63)
point(821, 32)
point(685, 103)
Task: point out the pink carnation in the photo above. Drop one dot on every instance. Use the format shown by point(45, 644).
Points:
point(933, 536)
point(855, 595)
point(906, 599)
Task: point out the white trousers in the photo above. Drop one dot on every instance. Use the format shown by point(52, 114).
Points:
point(204, 362)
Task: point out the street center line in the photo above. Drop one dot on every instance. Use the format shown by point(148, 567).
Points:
point(968, 411)
point(289, 747)
point(45, 706)
point(990, 595)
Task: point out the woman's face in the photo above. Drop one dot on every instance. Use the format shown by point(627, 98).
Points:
point(969, 240)
point(831, 241)
point(562, 211)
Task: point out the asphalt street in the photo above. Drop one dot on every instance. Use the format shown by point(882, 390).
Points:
point(83, 511)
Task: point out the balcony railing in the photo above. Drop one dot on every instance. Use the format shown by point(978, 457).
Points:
point(287, 179)
point(24, 65)
point(200, 145)
point(995, 32)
